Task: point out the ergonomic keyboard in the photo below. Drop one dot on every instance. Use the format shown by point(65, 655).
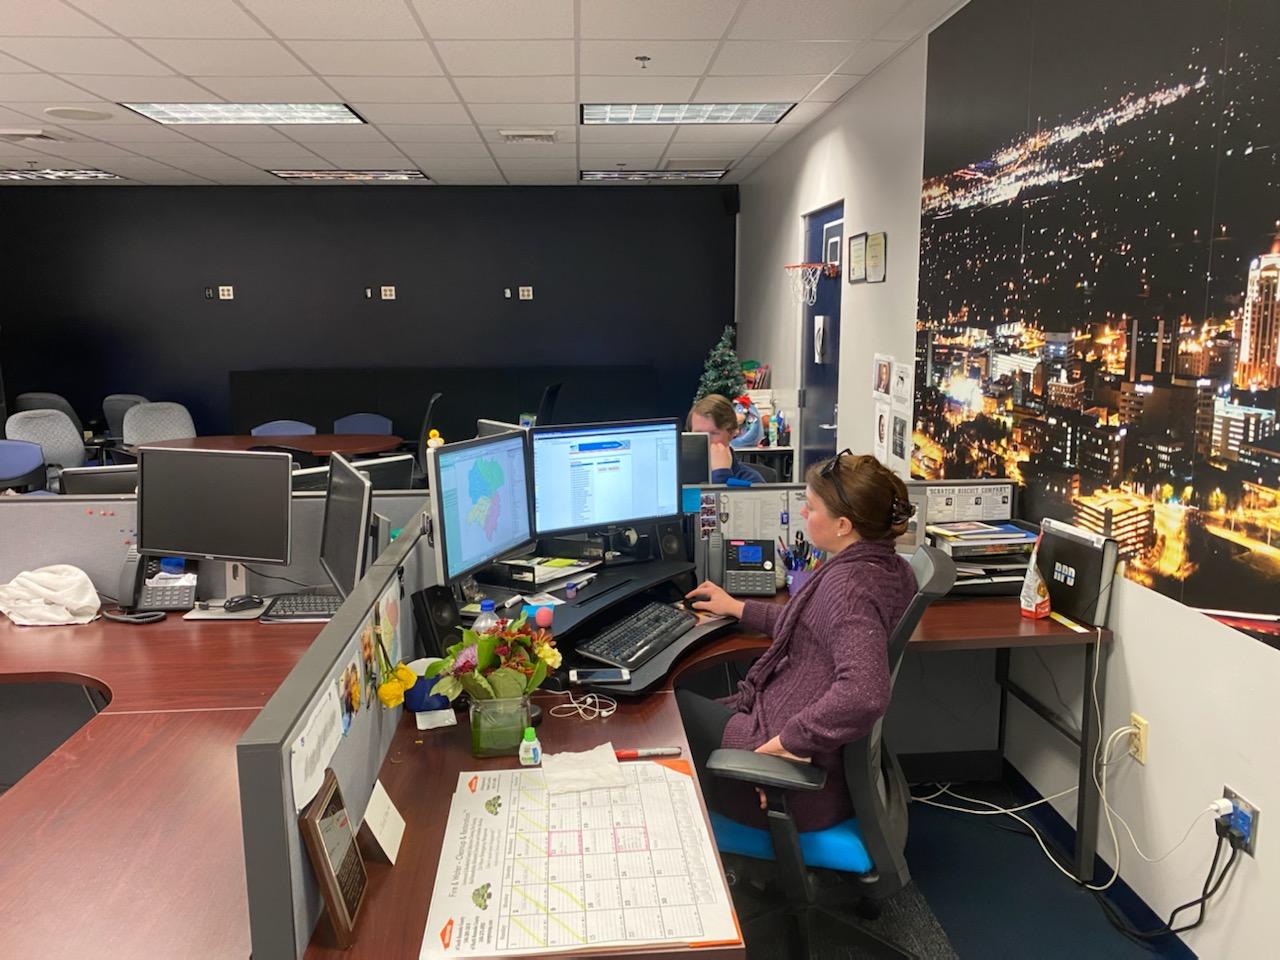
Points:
point(306, 607)
point(639, 638)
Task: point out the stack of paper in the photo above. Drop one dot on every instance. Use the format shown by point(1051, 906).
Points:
point(985, 552)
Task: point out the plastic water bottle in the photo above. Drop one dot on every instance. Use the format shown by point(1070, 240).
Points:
point(487, 622)
point(530, 749)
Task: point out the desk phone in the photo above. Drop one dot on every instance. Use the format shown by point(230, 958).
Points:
point(141, 597)
point(749, 568)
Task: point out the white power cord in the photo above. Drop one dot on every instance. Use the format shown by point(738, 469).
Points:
point(591, 707)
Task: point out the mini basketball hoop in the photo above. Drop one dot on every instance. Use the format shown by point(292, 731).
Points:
point(804, 279)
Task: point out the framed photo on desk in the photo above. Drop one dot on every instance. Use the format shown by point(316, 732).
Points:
point(330, 839)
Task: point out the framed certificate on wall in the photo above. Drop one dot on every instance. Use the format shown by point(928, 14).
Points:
point(876, 254)
point(330, 839)
point(857, 268)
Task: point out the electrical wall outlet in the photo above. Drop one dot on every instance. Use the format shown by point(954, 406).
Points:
point(368, 293)
point(226, 292)
point(1244, 817)
point(1138, 738)
point(526, 293)
point(506, 292)
point(208, 293)
point(388, 293)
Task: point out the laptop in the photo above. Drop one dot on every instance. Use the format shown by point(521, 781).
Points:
point(1078, 567)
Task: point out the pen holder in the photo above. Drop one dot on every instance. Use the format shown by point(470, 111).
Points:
point(497, 726)
point(796, 579)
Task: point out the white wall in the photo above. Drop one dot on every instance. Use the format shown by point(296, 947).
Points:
point(1210, 694)
point(867, 151)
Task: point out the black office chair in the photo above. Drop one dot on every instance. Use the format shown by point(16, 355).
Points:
point(48, 401)
point(767, 473)
point(547, 405)
point(870, 848)
point(428, 421)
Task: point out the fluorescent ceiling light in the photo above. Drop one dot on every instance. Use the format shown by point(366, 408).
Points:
point(246, 112)
point(644, 175)
point(57, 175)
point(684, 112)
point(354, 176)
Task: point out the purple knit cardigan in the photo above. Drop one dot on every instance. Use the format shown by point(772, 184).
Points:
point(824, 681)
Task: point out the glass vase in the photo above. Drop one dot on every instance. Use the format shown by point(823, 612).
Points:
point(497, 726)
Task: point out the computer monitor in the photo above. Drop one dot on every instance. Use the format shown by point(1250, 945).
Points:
point(344, 538)
point(311, 480)
point(491, 428)
point(388, 473)
point(597, 475)
point(214, 504)
point(695, 458)
point(481, 503)
point(99, 480)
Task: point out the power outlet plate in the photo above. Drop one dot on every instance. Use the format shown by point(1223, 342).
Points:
point(526, 293)
point(1244, 818)
point(1138, 738)
point(388, 293)
point(226, 292)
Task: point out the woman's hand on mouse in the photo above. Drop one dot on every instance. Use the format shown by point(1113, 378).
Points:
point(718, 601)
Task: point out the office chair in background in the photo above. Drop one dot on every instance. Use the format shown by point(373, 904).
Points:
point(62, 445)
point(367, 423)
point(114, 407)
point(767, 473)
point(283, 428)
point(21, 466)
point(547, 405)
point(49, 401)
point(428, 421)
point(869, 848)
point(154, 422)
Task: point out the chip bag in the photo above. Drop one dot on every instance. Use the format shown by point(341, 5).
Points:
point(1035, 595)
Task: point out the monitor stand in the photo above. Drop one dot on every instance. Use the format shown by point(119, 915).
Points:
point(235, 586)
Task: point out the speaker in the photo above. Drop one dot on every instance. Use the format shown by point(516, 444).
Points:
point(671, 541)
point(436, 613)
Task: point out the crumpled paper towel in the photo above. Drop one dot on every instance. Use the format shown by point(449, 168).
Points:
point(589, 770)
point(48, 596)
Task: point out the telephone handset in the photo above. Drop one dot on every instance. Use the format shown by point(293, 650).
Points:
point(136, 595)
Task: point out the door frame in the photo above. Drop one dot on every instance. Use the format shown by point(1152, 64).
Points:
point(797, 430)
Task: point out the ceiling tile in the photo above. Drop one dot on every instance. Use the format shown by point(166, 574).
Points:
point(89, 150)
point(73, 55)
point(469, 180)
point(278, 150)
point(385, 161)
point(332, 133)
point(145, 89)
point(224, 166)
point(746, 58)
point(669, 58)
point(640, 89)
point(118, 115)
point(227, 58)
point(496, 19)
point(460, 166)
point(721, 133)
point(812, 19)
point(139, 167)
point(755, 89)
point(510, 165)
point(833, 88)
point(870, 55)
point(126, 133)
point(803, 114)
point(783, 131)
point(517, 89)
point(336, 19)
point(445, 151)
point(19, 87)
point(917, 17)
point(47, 18)
point(430, 133)
point(630, 133)
point(177, 179)
point(599, 158)
point(234, 133)
point(448, 113)
point(678, 19)
point(10, 65)
point(206, 18)
point(394, 89)
point(346, 152)
point(526, 114)
point(507, 58)
point(560, 152)
point(546, 178)
point(491, 132)
point(189, 150)
point(701, 160)
point(369, 58)
point(12, 153)
point(252, 89)
point(764, 148)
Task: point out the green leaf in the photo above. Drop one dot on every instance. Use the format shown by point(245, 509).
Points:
point(440, 666)
point(518, 623)
point(484, 651)
point(447, 687)
point(477, 686)
point(539, 674)
point(506, 682)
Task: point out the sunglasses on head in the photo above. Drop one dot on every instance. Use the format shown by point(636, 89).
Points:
point(829, 470)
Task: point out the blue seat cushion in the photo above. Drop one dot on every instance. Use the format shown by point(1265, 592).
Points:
point(835, 848)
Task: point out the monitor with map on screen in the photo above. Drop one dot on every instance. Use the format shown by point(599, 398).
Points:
point(481, 504)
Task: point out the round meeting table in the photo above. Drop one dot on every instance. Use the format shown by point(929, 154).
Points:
point(315, 444)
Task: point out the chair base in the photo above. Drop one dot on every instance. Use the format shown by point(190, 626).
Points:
point(797, 926)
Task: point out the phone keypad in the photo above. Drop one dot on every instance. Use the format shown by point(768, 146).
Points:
point(751, 583)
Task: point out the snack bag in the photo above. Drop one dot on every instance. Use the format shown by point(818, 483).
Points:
point(1035, 595)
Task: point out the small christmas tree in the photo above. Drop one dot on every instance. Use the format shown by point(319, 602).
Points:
point(722, 372)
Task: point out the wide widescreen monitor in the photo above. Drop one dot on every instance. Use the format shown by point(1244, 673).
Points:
point(481, 503)
point(596, 475)
point(347, 519)
point(213, 504)
point(99, 480)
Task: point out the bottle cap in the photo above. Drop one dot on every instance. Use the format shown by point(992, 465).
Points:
point(486, 606)
point(529, 735)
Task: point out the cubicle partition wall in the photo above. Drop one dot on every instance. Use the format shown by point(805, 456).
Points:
point(284, 899)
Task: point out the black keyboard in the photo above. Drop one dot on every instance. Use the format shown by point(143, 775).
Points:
point(307, 607)
point(639, 638)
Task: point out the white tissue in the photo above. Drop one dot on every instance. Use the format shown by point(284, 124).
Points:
point(589, 770)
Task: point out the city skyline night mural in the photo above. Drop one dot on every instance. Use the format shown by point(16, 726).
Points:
point(1099, 302)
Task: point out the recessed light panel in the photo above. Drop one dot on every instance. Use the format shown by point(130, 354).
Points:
point(684, 112)
point(647, 175)
point(172, 113)
point(57, 175)
point(352, 176)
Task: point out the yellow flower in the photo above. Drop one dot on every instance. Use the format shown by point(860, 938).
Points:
point(549, 655)
point(355, 697)
point(391, 693)
point(406, 676)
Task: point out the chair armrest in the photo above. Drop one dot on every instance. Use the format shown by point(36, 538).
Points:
point(766, 770)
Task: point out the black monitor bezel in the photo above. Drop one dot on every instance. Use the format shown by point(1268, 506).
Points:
point(366, 513)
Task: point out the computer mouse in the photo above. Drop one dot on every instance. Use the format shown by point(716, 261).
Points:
point(246, 602)
point(690, 601)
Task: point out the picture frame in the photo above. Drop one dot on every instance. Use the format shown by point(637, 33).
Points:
point(877, 254)
point(330, 839)
point(856, 264)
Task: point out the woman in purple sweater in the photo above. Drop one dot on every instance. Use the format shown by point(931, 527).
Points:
point(824, 681)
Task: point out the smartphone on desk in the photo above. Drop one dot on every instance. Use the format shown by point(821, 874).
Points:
point(599, 675)
point(138, 596)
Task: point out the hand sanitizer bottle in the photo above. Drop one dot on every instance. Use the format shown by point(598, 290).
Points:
point(530, 749)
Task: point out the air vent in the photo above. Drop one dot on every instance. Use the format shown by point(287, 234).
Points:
point(18, 135)
point(527, 136)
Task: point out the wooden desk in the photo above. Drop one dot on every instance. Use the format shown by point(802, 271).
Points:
point(125, 842)
point(315, 444)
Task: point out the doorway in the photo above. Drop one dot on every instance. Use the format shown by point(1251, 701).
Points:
point(820, 341)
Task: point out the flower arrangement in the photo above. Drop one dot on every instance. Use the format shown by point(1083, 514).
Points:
point(509, 662)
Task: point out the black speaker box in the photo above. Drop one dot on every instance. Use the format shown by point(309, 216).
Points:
point(435, 611)
point(671, 541)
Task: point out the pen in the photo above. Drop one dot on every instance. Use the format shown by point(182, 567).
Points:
point(643, 752)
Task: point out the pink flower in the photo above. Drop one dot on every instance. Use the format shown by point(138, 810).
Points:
point(466, 660)
point(502, 651)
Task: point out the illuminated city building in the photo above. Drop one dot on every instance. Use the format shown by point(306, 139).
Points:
point(1128, 519)
point(1260, 329)
point(1235, 425)
point(1170, 405)
point(1262, 459)
point(1102, 455)
point(1012, 364)
point(1067, 394)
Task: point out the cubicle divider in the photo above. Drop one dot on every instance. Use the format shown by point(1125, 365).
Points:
point(94, 533)
point(285, 902)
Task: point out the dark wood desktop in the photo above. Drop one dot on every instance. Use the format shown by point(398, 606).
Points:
point(315, 444)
